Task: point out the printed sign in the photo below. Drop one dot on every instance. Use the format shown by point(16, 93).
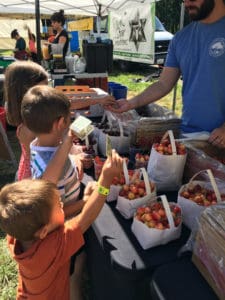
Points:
point(83, 24)
point(132, 31)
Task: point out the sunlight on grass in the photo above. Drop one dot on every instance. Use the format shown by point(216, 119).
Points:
point(134, 88)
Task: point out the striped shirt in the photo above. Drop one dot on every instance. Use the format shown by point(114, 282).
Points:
point(68, 184)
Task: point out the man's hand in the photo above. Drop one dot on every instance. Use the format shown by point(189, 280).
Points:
point(120, 106)
point(217, 137)
point(107, 101)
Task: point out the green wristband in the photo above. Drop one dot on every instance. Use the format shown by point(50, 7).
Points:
point(103, 190)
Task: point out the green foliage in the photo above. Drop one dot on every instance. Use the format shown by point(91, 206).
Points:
point(169, 14)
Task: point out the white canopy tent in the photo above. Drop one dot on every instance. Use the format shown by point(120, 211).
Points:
point(71, 7)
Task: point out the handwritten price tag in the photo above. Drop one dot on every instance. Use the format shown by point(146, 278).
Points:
point(108, 146)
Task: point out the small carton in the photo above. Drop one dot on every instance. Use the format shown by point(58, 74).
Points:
point(82, 127)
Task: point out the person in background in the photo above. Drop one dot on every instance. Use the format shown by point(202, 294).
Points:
point(197, 52)
point(20, 47)
point(32, 46)
point(39, 240)
point(61, 37)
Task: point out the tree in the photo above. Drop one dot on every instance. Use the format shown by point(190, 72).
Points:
point(169, 14)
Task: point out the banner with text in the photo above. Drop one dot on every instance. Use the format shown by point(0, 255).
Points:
point(83, 24)
point(132, 31)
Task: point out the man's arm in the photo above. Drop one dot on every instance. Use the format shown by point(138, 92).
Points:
point(154, 92)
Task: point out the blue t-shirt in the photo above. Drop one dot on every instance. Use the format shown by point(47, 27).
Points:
point(199, 52)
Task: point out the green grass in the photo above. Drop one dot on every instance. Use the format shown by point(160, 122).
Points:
point(8, 272)
point(6, 52)
point(134, 88)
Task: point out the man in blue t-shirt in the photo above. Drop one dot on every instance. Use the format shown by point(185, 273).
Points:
point(198, 54)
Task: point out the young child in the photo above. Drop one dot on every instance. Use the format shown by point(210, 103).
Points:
point(46, 112)
point(19, 77)
point(39, 240)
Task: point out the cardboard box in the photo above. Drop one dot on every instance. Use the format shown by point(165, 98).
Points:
point(205, 273)
point(209, 248)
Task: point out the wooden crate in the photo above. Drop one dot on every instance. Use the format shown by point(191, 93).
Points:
point(154, 122)
point(76, 90)
point(151, 130)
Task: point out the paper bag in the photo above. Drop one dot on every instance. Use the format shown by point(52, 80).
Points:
point(151, 237)
point(190, 209)
point(120, 143)
point(166, 170)
point(127, 207)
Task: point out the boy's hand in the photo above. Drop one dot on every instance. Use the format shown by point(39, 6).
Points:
point(112, 167)
point(89, 189)
point(79, 165)
point(25, 136)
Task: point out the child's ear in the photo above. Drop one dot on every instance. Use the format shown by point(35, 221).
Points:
point(42, 232)
point(59, 124)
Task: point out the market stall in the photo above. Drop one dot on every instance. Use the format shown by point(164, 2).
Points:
point(130, 266)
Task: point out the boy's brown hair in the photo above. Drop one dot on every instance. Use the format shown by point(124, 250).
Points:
point(19, 77)
point(42, 106)
point(26, 206)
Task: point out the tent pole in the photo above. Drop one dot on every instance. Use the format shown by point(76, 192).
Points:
point(98, 23)
point(38, 36)
point(181, 26)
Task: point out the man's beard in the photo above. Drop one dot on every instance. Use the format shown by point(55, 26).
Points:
point(203, 11)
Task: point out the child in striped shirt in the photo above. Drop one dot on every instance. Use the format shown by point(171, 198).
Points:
point(46, 112)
